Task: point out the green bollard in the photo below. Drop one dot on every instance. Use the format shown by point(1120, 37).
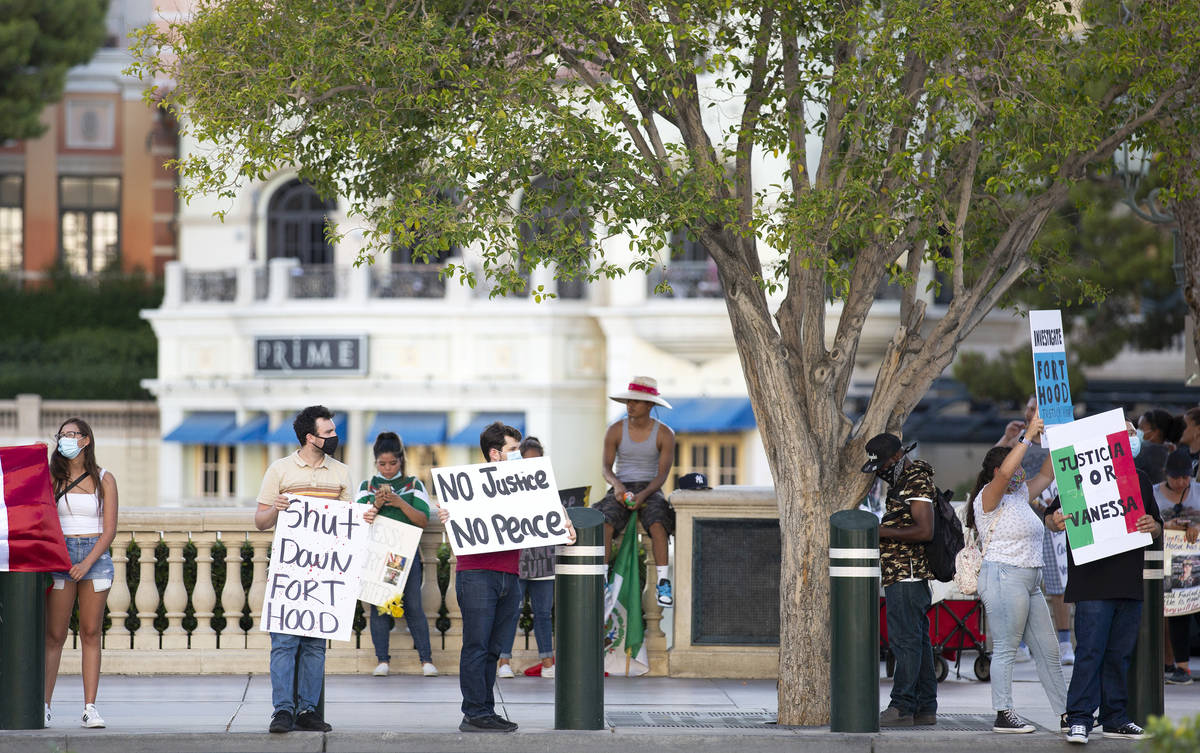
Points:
point(1145, 680)
point(579, 625)
point(854, 621)
point(22, 650)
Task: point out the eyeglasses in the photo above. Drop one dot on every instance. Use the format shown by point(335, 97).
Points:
point(70, 435)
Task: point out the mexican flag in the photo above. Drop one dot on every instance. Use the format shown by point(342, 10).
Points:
point(31, 539)
point(624, 642)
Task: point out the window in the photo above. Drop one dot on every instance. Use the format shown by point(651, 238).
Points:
point(89, 223)
point(690, 271)
point(717, 456)
point(218, 471)
point(554, 220)
point(297, 220)
point(12, 225)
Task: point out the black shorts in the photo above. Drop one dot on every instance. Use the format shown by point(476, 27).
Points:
point(656, 510)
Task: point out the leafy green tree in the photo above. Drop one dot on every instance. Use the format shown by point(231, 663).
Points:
point(814, 149)
point(1115, 288)
point(40, 40)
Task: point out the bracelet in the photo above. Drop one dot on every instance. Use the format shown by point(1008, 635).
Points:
point(1026, 441)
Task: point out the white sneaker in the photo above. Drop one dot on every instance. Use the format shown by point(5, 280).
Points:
point(1022, 654)
point(47, 715)
point(1066, 654)
point(428, 669)
point(381, 670)
point(505, 671)
point(548, 672)
point(91, 717)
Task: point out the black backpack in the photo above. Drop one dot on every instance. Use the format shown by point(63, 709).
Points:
point(947, 538)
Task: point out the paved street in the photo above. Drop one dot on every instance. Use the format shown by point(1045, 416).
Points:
point(406, 713)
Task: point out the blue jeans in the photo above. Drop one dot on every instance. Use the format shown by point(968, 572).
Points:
point(292, 691)
point(1016, 611)
point(541, 601)
point(490, 603)
point(914, 685)
point(414, 616)
point(1106, 633)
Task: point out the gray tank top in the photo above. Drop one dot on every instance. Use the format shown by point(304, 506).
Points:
point(637, 461)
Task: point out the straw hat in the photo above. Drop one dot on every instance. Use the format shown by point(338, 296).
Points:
point(641, 388)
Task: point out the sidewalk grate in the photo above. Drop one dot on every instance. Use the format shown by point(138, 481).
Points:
point(961, 723)
point(705, 719)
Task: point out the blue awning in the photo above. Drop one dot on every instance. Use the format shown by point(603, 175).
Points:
point(205, 427)
point(469, 434)
point(284, 433)
point(414, 428)
point(710, 415)
point(254, 431)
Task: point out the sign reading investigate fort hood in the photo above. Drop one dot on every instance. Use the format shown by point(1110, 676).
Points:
point(1050, 368)
point(316, 564)
point(495, 507)
point(1098, 486)
point(310, 355)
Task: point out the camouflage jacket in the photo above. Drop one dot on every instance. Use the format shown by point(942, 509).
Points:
point(899, 560)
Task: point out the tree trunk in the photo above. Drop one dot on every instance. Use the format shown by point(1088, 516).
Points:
point(1187, 214)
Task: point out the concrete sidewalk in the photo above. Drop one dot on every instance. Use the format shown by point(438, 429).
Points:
point(405, 713)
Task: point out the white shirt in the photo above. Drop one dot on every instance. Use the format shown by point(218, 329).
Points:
point(1017, 537)
point(79, 513)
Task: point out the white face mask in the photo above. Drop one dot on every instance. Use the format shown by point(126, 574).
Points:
point(514, 455)
point(69, 447)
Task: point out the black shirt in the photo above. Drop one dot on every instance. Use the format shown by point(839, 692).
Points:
point(1115, 577)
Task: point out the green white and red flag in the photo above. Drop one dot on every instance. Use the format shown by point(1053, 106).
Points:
point(31, 538)
point(624, 633)
point(1098, 486)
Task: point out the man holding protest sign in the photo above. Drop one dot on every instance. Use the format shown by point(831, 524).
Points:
point(487, 543)
point(1110, 516)
point(298, 662)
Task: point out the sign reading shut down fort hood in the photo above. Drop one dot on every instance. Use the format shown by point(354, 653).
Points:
point(1098, 486)
point(1051, 385)
point(495, 507)
point(316, 564)
point(388, 560)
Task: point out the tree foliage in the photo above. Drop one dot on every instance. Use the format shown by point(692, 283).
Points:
point(40, 40)
point(815, 150)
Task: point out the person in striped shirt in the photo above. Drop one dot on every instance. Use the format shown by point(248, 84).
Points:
point(313, 472)
point(402, 498)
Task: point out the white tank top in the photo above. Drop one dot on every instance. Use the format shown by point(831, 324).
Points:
point(79, 513)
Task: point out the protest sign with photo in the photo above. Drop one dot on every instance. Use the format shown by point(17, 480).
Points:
point(389, 560)
point(1098, 486)
point(1051, 385)
point(495, 507)
point(316, 563)
point(1181, 561)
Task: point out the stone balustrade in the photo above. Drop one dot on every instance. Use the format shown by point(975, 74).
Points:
point(205, 622)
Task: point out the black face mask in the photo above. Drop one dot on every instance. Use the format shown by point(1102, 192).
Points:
point(891, 474)
point(330, 445)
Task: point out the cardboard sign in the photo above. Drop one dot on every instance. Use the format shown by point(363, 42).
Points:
point(389, 560)
point(496, 507)
point(316, 564)
point(1181, 561)
point(1051, 385)
point(1098, 486)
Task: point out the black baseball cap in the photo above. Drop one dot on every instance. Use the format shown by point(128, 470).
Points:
point(881, 448)
point(692, 481)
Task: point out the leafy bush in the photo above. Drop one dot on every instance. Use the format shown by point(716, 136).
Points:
point(1164, 736)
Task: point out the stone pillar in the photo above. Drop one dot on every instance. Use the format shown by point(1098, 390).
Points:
point(204, 596)
point(279, 279)
point(175, 594)
point(172, 285)
point(118, 636)
point(146, 598)
point(256, 638)
point(233, 595)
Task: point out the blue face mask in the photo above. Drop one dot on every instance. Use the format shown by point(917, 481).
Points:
point(69, 447)
point(1135, 443)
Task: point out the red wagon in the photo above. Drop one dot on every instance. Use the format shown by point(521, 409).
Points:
point(955, 625)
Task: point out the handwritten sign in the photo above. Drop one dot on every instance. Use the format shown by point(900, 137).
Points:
point(316, 564)
point(389, 560)
point(495, 507)
point(1098, 486)
point(1182, 563)
point(1051, 385)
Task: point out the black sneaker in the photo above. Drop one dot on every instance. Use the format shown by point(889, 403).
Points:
point(282, 721)
point(311, 721)
point(1127, 731)
point(1078, 734)
point(510, 726)
point(485, 724)
point(1063, 725)
point(1179, 676)
point(1008, 723)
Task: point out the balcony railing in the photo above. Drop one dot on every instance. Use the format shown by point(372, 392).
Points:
point(407, 281)
point(315, 281)
point(688, 279)
point(209, 285)
point(188, 591)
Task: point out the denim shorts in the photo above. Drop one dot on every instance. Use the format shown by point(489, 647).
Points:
point(101, 573)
